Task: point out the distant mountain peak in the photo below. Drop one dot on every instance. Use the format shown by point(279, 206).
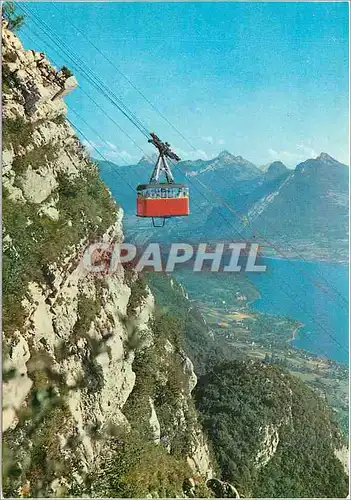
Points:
point(323, 161)
point(275, 170)
point(148, 160)
point(325, 158)
point(225, 156)
point(277, 164)
point(273, 166)
point(225, 152)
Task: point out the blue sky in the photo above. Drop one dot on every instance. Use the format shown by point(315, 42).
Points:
point(265, 81)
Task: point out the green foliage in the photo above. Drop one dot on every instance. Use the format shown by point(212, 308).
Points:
point(165, 324)
point(20, 262)
point(88, 308)
point(137, 295)
point(238, 400)
point(6, 87)
point(15, 21)
point(60, 119)
point(166, 393)
point(146, 366)
point(66, 71)
point(17, 132)
point(46, 457)
point(137, 468)
point(36, 158)
point(87, 203)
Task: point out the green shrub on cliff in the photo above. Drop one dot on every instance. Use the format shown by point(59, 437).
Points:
point(138, 292)
point(137, 468)
point(16, 132)
point(15, 20)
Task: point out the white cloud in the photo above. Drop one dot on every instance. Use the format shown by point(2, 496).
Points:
point(273, 153)
point(310, 152)
point(302, 153)
point(112, 146)
point(209, 139)
point(119, 156)
point(192, 155)
point(90, 145)
point(109, 151)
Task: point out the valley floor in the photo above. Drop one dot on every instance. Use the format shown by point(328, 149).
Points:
point(267, 337)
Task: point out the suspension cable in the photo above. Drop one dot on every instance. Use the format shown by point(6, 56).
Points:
point(94, 79)
point(276, 247)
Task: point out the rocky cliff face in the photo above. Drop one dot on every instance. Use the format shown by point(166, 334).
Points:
point(80, 350)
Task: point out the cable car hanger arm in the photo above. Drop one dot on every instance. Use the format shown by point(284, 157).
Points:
point(164, 151)
point(161, 200)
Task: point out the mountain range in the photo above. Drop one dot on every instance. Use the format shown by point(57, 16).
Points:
point(303, 211)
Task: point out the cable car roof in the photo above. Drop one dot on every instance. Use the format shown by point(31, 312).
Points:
point(161, 185)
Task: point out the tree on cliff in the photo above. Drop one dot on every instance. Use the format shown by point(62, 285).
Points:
point(15, 21)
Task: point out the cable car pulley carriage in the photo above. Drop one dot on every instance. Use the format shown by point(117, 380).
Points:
point(161, 200)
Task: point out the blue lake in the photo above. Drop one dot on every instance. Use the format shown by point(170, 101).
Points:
point(313, 293)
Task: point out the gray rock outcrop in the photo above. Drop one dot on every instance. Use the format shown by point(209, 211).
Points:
point(91, 361)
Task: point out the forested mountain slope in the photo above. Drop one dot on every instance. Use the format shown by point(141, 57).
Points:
point(271, 434)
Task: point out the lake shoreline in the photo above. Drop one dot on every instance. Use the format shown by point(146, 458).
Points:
point(309, 259)
point(295, 333)
point(306, 304)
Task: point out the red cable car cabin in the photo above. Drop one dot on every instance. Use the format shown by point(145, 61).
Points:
point(162, 200)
